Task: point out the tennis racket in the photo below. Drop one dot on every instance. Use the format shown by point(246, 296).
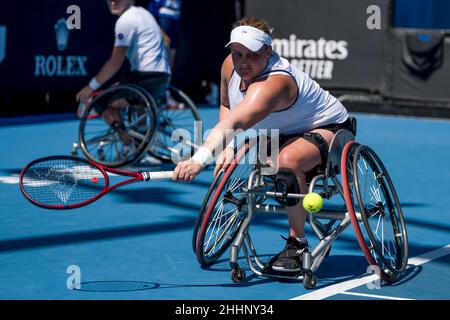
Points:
point(67, 182)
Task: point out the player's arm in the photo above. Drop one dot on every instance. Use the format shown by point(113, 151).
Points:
point(262, 98)
point(109, 69)
point(113, 64)
point(273, 94)
point(226, 157)
point(124, 35)
point(166, 39)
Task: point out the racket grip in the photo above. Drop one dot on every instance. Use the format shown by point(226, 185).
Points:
point(159, 175)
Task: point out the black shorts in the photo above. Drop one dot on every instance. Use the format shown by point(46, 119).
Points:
point(156, 83)
point(318, 140)
point(334, 127)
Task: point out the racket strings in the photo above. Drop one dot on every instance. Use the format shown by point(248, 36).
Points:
point(62, 182)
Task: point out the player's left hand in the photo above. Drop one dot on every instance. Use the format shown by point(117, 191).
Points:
point(187, 170)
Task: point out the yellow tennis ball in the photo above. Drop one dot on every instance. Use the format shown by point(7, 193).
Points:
point(312, 202)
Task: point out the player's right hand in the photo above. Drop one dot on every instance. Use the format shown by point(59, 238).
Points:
point(84, 94)
point(224, 159)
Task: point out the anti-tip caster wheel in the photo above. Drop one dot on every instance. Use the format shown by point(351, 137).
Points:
point(237, 274)
point(309, 280)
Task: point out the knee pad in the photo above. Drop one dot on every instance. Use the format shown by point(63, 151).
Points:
point(286, 182)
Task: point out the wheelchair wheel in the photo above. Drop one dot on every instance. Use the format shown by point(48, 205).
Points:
point(221, 216)
point(203, 207)
point(126, 116)
point(179, 112)
point(381, 230)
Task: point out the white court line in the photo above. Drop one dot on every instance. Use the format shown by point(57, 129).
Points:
point(373, 296)
point(364, 279)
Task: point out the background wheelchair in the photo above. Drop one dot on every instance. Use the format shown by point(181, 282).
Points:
point(353, 171)
point(139, 118)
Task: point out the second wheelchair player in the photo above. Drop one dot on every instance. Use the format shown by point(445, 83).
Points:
point(139, 38)
point(261, 90)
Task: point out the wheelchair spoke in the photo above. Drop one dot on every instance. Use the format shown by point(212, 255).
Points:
point(220, 213)
point(212, 234)
point(386, 240)
point(215, 234)
point(218, 217)
point(136, 135)
point(135, 123)
point(98, 139)
point(236, 184)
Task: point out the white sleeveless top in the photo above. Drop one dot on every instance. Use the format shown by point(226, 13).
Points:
point(314, 107)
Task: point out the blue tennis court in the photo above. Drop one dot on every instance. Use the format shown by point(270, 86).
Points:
point(135, 242)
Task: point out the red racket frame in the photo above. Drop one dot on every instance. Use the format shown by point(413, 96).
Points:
point(136, 177)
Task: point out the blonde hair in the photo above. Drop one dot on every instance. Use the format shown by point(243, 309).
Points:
point(258, 23)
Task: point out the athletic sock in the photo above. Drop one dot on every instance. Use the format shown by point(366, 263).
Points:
point(301, 240)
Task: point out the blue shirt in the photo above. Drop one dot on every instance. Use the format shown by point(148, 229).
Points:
point(165, 8)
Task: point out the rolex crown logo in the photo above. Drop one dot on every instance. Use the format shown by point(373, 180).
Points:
point(62, 34)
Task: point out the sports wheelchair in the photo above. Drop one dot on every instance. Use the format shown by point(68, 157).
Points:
point(353, 171)
point(136, 118)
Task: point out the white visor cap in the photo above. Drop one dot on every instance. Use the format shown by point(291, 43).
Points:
point(250, 37)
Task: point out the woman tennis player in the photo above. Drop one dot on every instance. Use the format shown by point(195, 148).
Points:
point(260, 89)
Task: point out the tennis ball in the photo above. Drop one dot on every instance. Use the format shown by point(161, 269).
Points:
point(312, 202)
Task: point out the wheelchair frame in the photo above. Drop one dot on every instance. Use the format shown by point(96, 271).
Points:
point(326, 233)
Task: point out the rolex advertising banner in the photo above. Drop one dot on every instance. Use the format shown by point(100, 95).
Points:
point(339, 43)
point(48, 50)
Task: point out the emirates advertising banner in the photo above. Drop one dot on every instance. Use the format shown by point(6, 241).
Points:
point(49, 46)
point(339, 43)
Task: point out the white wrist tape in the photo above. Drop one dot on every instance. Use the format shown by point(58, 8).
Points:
point(203, 156)
point(94, 84)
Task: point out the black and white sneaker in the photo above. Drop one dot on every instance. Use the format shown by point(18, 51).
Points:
point(290, 259)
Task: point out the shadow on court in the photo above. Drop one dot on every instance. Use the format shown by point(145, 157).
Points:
point(165, 197)
point(89, 236)
point(334, 270)
point(331, 272)
point(128, 286)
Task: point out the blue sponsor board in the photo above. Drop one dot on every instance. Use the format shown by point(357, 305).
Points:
point(46, 63)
